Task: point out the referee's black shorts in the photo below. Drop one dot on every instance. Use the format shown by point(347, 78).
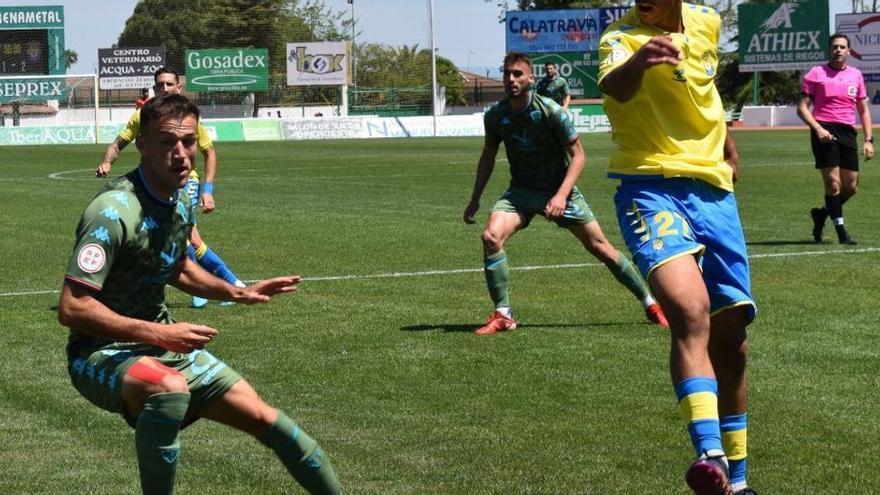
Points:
point(842, 152)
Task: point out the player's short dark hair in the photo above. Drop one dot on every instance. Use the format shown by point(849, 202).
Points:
point(513, 57)
point(548, 64)
point(166, 70)
point(166, 106)
point(837, 36)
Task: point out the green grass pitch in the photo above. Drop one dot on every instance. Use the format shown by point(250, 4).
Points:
point(374, 355)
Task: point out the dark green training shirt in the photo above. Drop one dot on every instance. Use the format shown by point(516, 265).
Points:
point(556, 89)
point(128, 244)
point(535, 141)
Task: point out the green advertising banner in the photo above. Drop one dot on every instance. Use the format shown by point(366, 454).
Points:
point(261, 130)
point(232, 69)
point(42, 17)
point(31, 44)
point(70, 134)
point(580, 69)
point(782, 36)
point(224, 130)
point(589, 118)
point(31, 89)
point(32, 40)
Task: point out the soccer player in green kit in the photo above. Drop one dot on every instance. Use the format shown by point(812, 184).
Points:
point(546, 160)
point(125, 352)
point(554, 86)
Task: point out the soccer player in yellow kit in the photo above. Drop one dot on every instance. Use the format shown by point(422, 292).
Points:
point(678, 215)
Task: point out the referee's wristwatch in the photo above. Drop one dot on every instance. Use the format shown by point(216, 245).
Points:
point(870, 140)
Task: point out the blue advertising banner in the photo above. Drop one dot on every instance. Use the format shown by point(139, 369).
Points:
point(572, 30)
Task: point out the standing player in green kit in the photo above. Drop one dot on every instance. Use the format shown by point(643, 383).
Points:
point(554, 86)
point(125, 352)
point(546, 160)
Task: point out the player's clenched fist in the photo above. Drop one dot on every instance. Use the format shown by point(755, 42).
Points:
point(659, 50)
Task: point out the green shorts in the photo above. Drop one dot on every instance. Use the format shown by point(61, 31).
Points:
point(528, 203)
point(97, 375)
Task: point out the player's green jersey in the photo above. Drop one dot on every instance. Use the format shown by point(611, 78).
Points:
point(128, 244)
point(556, 89)
point(674, 124)
point(535, 141)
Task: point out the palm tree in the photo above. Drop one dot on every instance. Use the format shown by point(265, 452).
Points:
point(70, 58)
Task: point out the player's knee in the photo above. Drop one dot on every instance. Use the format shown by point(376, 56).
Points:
point(849, 190)
point(492, 243)
point(601, 249)
point(832, 188)
point(260, 414)
point(173, 382)
point(688, 317)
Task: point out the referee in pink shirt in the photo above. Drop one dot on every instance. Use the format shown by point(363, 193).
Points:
point(835, 91)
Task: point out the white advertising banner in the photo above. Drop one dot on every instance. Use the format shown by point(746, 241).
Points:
point(318, 64)
point(129, 68)
point(863, 31)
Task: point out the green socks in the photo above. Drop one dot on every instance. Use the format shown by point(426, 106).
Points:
point(497, 273)
point(302, 456)
point(157, 441)
point(625, 273)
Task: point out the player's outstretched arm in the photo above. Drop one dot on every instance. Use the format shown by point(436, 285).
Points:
point(193, 279)
point(264, 290)
point(623, 82)
point(78, 309)
point(484, 171)
point(110, 156)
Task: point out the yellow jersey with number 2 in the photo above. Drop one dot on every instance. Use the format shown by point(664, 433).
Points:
point(674, 125)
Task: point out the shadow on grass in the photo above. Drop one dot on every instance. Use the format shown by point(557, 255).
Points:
point(783, 243)
point(470, 327)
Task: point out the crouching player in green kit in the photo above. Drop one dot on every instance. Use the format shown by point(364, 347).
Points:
point(125, 353)
point(546, 160)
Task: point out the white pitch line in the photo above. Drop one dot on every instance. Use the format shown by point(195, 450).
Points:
point(814, 253)
point(60, 175)
point(441, 272)
point(31, 293)
point(428, 273)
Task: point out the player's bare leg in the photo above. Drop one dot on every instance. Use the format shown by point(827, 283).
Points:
point(728, 348)
point(678, 285)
